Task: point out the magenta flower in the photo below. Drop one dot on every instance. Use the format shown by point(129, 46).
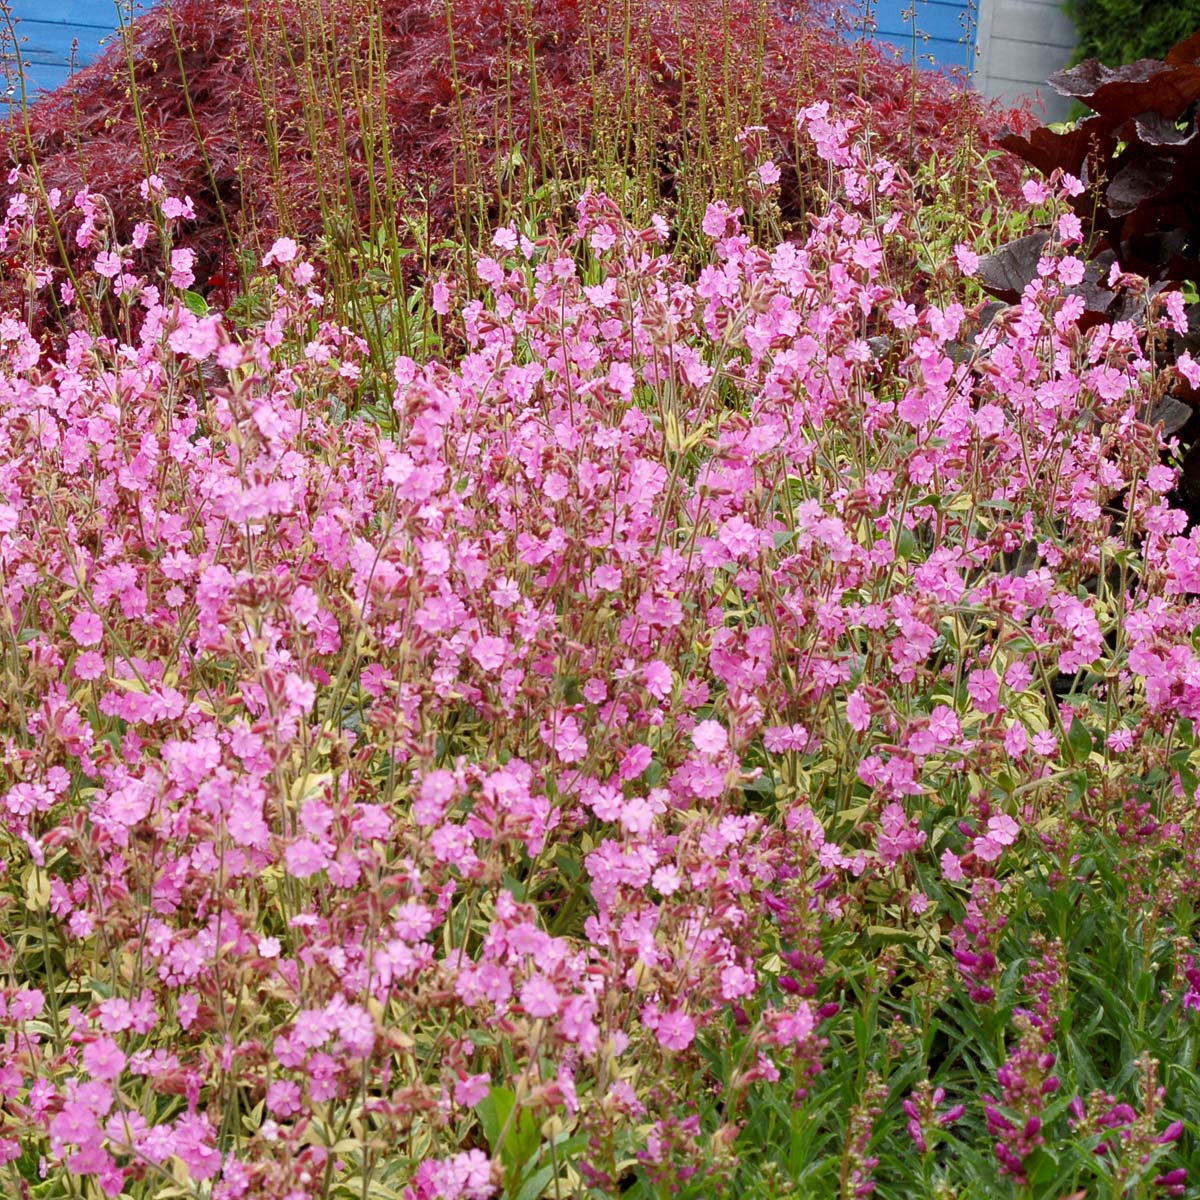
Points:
point(87, 629)
point(675, 1030)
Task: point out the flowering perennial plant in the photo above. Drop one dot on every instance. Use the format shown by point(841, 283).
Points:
point(512, 795)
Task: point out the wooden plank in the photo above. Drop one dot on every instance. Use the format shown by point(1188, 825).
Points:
point(46, 42)
point(943, 22)
point(55, 33)
point(103, 14)
point(43, 78)
point(942, 51)
point(1032, 21)
point(1029, 61)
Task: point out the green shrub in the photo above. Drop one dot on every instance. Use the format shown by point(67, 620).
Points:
point(1122, 31)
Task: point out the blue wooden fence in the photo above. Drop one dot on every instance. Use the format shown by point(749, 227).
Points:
point(944, 30)
point(58, 34)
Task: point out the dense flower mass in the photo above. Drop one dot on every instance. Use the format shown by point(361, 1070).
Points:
point(696, 686)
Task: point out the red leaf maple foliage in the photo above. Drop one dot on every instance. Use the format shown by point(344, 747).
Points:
point(232, 55)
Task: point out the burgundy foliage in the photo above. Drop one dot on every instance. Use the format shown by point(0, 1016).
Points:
point(1138, 156)
point(88, 129)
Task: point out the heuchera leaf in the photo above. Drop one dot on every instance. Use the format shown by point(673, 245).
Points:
point(1138, 180)
point(1006, 272)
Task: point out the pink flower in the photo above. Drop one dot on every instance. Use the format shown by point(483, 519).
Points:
point(87, 629)
point(103, 1060)
point(966, 258)
point(635, 761)
point(984, 689)
point(1189, 368)
point(1003, 829)
point(952, 866)
point(675, 1030)
point(490, 653)
point(667, 880)
point(718, 217)
point(283, 250)
point(175, 209)
point(1016, 740)
point(434, 796)
point(659, 680)
point(26, 1004)
point(89, 665)
point(539, 997)
point(1034, 191)
point(305, 859)
point(108, 264)
point(441, 297)
point(1071, 271)
point(566, 739)
point(1045, 743)
point(283, 1098)
point(471, 1089)
point(300, 693)
point(739, 537)
point(182, 262)
point(791, 1028)
point(710, 738)
point(858, 712)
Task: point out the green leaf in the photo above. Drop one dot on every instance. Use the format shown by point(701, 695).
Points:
point(533, 1187)
point(1143, 990)
point(1079, 740)
point(493, 1112)
point(521, 1136)
point(1041, 1167)
point(195, 303)
point(524, 1138)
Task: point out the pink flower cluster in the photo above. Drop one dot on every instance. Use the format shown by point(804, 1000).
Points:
point(370, 766)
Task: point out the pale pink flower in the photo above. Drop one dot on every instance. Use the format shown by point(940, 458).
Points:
point(182, 263)
point(710, 738)
point(539, 997)
point(283, 250)
point(966, 258)
point(103, 1059)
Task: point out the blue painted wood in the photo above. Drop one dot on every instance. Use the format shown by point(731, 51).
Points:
point(936, 52)
point(943, 32)
point(946, 22)
point(57, 35)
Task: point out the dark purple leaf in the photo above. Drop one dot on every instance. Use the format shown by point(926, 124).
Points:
point(1006, 272)
point(1123, 92)
point(1186, 53)
point(1172, 414)
point(1049, 150)
point(1153, 129)
point(1136, 182)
